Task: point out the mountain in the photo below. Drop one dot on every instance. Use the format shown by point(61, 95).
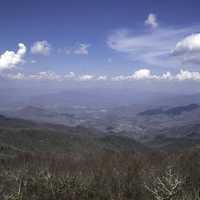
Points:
point(156, 111)
point(2, 117)
point(171, 111)
point(180, 109)
point(40, 114)
point(172, 144)
point(18, 135)
point(34, 111)
point(121, 143)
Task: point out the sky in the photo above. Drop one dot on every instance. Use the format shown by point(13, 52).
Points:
point(100, 41)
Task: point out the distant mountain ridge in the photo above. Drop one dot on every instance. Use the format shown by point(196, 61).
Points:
point(34, 111)
point(18, 135)
point(2, 117)
point(171, 111)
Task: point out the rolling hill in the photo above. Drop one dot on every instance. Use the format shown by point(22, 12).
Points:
point(18, 135)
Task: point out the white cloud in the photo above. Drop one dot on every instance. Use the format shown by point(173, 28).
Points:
point(166, 76)
point(49, 75)
point(190, 43)
point(18, 76)
point(45, 75)
point(141, 74)
point(138, 75)
point(119, 78)
point(147, 48)
point(102, 78)
point(80, 49)
point(151, 20)
point(41, 47)
point(145, 74)
point(187, 75)
point(86, 77)
point(188, 49)
point(9, 59)
point(71, 75)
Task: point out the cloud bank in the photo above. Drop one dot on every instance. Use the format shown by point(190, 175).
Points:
point(146, 74)
point(138, 75)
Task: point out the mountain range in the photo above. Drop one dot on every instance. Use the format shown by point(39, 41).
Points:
point(21, 136)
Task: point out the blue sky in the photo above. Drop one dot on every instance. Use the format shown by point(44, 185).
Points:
point(87, 40)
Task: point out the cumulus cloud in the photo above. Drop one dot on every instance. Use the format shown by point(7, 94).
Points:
point(41, 47)
point(147, 48)
point(146, 74)
point(86, 77)
point(188, 49)
point(9, 59)
point(102, 78)
point(190, 43)
point(140, 74)
point(71, 75)
point(187, 75)
point(151, 21)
